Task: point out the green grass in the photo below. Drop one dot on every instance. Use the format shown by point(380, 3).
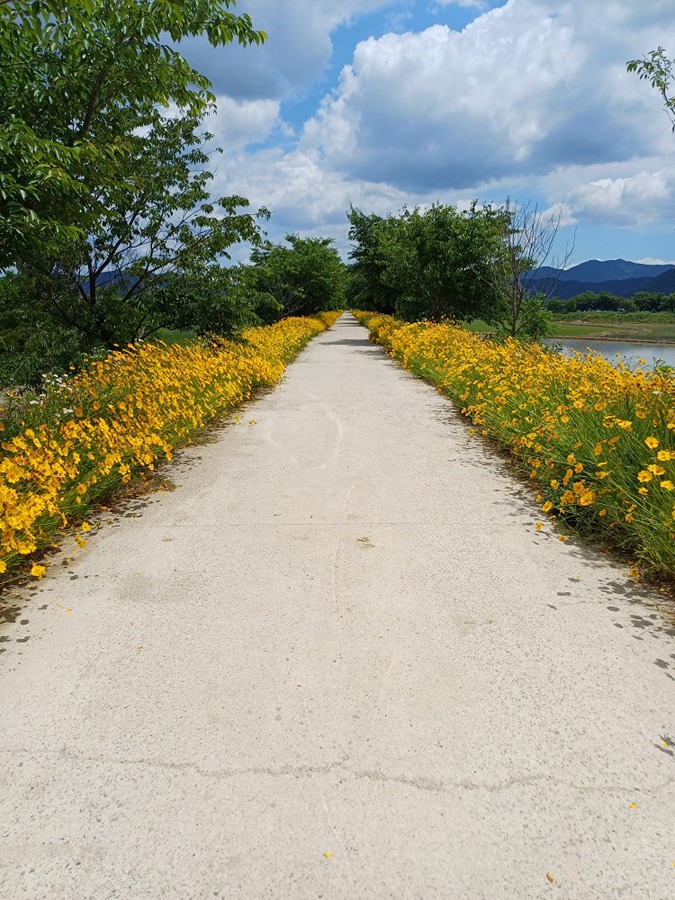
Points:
point(604, 326)
point(614, 329)
point(170, 336)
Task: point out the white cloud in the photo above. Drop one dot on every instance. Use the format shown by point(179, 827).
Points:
point(301, 194)
point(293, 57)
point(475, 4)
point(560, 214)
point(239, 123)
point(524, 88)
point(634, 200)
point(650, 261)
point(530, 99)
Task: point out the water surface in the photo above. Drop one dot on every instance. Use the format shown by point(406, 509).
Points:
point(624, 351)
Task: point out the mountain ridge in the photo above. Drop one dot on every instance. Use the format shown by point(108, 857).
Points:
point(620, 277)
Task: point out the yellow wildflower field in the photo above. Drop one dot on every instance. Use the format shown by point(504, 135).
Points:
point(87, 435)
point(596, 439)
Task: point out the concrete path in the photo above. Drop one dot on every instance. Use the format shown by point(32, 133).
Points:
point(338, 662)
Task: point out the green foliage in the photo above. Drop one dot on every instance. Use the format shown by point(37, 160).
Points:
point(151, 240)
point(297, 280)
point(77, 80)
point(657, 69)
point(589, 301)
point(31, 344)
point(367, 287)
point(446, 264)
point(427, 265)
point(105, 208)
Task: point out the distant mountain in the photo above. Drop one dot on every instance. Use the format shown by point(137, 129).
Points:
point(615, 276)
point(596, 270)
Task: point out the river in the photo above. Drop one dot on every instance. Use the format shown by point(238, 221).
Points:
point(629, 353)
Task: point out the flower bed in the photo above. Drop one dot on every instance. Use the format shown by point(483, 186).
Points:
point(86, 436)
point(596, 439)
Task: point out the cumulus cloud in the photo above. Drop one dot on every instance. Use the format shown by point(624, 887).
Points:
point(296, 52)
point(634, 200)
point(530, 99)
point(242, 122)
point(651, 261)
point(476, 4)
point(300, 193)
point(522, 89)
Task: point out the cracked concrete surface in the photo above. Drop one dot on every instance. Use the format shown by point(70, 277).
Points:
point(340, 635)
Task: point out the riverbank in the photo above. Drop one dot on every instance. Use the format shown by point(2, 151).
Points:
point(601, 328)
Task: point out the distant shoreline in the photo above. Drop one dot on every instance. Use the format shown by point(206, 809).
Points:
point(615, 340)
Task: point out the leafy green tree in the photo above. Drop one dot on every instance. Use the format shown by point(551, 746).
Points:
point(367, 286)
point(78, 79)
point(440, 261)
point(151, 235)
point(305, 277)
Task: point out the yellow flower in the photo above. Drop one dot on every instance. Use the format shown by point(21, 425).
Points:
point(652, 443)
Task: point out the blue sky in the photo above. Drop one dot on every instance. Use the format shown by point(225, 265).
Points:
point(386, 103)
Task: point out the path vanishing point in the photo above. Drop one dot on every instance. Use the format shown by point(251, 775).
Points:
point(338, 661)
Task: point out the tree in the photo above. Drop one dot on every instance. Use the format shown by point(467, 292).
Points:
point(304, 278)
point(527, 240)
point(367, 286)
point(78, 79)
point(151, 235)
point(439, 261)
point(658, 70)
